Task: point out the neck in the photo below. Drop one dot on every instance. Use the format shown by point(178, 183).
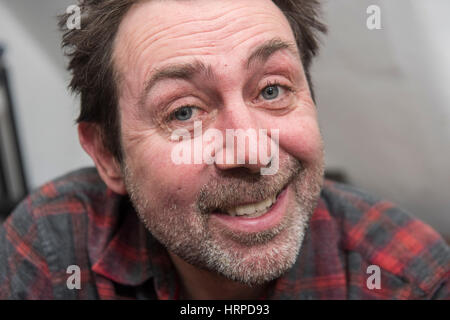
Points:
point(199, 284)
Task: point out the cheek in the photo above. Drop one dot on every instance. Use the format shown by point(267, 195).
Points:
point(303, 141)
point(300, 137)
point(159, 178)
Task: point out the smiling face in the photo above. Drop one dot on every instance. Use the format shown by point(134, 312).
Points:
point(231, 65)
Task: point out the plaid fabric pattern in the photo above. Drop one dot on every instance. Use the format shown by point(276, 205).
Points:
point(76, 220)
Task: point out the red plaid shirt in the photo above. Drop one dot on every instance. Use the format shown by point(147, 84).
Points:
point(76, 220)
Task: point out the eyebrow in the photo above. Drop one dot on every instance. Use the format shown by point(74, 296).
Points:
point(263, 52)
point(187, 71)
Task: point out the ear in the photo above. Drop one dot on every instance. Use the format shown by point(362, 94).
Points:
point(107, 165)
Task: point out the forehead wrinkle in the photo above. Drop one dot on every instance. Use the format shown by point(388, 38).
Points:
point(142, 36)
point(211, 24)
point(217, 22)
point(220, 32)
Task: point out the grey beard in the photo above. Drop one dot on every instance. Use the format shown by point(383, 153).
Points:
point(193, 241)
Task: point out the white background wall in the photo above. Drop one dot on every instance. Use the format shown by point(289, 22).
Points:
point(45, 109)
point(383, 97)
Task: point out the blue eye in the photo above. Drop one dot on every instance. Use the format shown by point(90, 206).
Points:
point(271, 92)
point(183, 113)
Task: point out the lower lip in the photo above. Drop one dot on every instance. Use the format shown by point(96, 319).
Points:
point(267, 221)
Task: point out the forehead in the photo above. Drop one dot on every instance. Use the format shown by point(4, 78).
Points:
point(156, 32)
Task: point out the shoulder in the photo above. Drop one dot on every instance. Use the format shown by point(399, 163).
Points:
point(55, 205)
point(379, 233)
point(83, 184)
point(47, 232)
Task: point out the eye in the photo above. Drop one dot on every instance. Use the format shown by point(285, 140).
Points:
point(184, 113)
point(271, 92)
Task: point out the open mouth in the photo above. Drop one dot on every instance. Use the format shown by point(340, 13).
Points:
point(254, 217)
point(251, 210)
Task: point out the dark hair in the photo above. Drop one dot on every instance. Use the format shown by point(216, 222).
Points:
point(90, 52)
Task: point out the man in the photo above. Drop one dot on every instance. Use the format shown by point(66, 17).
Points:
point(153, 76)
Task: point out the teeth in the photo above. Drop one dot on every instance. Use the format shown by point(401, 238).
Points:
point(263, 205)
point(254, 209)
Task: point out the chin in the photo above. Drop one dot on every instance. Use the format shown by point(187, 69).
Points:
point(252, 263)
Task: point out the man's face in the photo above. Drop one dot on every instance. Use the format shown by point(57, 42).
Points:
point(231, 65)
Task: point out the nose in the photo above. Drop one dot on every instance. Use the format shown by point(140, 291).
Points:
point(245, 144)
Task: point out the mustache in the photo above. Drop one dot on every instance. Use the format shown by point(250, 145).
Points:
point(239, 186)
